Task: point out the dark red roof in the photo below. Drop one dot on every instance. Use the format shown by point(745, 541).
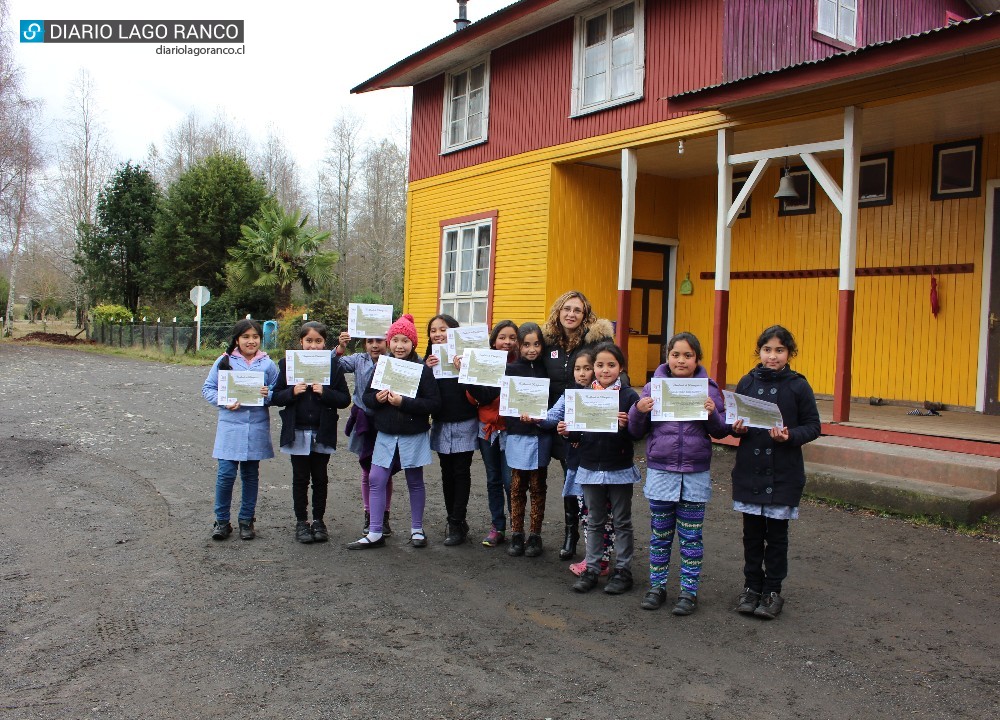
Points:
point(931, 45)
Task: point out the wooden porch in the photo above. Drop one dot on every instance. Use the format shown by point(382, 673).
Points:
point(952, 430)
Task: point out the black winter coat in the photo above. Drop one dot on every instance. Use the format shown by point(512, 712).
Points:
point(769, 472)
point(524, 368)
point(413, 416)
point(607, 451)
point(455, 406)
point(310, 410)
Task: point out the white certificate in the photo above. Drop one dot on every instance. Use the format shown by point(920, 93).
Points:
point(482, 367)
point(753, 412)
point(524, 396)
point(400, 376)
point(364, 321)
point(242, 385)
point(445, 367)
point(678, 399)
point(592, 411)
point(474, 336)
point(307, 366)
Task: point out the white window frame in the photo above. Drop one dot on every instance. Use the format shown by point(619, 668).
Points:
point(446, 119)
point(462, 304)
point(838, 19)
point(577, 108)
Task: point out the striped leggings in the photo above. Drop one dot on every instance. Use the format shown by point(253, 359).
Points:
point(688, 518)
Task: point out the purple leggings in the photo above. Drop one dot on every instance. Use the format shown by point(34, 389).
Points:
point(379, 478)
point(366, 468)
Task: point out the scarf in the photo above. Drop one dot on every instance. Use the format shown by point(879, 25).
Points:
point(597, 385)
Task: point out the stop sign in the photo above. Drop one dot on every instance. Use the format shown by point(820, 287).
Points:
point(200, 295)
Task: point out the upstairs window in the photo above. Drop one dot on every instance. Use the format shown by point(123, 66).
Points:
point(838, 19)
point(608, 58)
point(466, 107)
point(465, 271)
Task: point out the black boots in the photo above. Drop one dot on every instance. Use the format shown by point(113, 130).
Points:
point(572, 510)
point(457, 532)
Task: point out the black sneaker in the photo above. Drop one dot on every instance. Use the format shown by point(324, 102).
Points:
point(319, 532)
point(516, 547)
point(620, 582)
point(748, 601)
point(303, 533)
point(220, 531)
point(654, 599)
point(686, 604)
point(586, 582)
point(386, 530)
point(534, 546)
point(770, 606)
point(246, 530)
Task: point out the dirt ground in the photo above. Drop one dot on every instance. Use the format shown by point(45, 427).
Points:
point(114, 602)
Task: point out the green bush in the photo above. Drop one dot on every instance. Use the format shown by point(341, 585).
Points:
point(111, 313)
point(234, 304)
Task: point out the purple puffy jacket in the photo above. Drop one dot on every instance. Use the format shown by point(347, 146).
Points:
point(680, 446)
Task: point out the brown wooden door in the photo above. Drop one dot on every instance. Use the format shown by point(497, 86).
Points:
point(992, 405)
point(650, 300)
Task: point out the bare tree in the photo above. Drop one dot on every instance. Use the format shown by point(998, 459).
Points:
point(380, 226)
point(19, 160)
point(193, 140)
point(83, 164)
point(277, 168)
point(340, 171)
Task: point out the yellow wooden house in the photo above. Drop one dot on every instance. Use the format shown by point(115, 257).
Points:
point(633, 151)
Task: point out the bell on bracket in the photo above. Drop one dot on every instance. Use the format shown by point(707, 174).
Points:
point(786, 186)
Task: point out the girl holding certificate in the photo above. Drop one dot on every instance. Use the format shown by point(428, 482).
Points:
point(487, 400)
point(360, 427)
point(454, 436)
point(403, 425)
point(527, 448)
point(607, 473)
point(309, 433)
point(678, 486)
point(243, 435)
point(769, 473)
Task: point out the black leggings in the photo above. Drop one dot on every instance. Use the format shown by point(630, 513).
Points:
point(305, 467)
point(456, 481)
point(765, 552)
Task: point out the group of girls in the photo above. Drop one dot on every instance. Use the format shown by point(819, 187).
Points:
point(391, 433)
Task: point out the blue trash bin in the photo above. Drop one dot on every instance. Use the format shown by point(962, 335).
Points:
point(270, 334)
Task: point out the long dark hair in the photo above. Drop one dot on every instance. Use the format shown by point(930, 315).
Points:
point(319, 327)
point(448, 320)
point(238, 329)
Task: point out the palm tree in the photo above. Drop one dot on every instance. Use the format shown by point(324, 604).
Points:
point(278, 250)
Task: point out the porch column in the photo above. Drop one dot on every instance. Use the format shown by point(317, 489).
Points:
point(723, 252)
point(848, 264)
point(629, 173)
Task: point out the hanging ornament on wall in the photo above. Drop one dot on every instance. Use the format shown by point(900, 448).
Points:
point(935, 303)
point(687, 287)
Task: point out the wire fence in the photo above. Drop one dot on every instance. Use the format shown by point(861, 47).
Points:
point(164, 337)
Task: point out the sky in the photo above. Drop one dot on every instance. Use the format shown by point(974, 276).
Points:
point(300, 62)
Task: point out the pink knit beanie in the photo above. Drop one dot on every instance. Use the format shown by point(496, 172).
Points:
point(403, 326)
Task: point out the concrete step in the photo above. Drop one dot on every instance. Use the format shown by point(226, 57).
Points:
point(933, 466)
point(917, 497)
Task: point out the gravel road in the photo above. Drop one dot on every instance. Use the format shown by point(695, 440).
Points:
point(114, 602)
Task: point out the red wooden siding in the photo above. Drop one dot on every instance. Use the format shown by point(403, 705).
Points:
point(763, 35)
point(530, 84)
